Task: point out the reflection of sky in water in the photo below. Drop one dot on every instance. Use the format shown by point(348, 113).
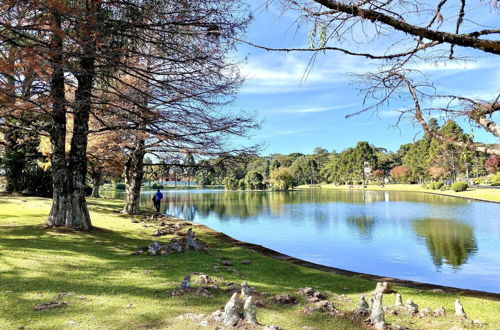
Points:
point(414, 236)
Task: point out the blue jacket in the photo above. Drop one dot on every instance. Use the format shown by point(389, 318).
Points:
point(158, 196)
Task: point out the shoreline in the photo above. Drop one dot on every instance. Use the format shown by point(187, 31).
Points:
point(338, 271)
point(303, 187)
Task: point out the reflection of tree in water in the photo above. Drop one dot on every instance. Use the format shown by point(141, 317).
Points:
point(446, 240)
point(363, 224)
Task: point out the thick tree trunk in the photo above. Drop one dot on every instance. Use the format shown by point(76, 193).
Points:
point(69, 207)
point(134, 173)
point(96, 185)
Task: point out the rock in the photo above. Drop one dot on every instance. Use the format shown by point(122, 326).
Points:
point(191, 240)
point(191, 316)
point(250, 310)
point(437, 290)
point(271, 327)
point(363, 307)
point(377, 311)
point(479, 323)
point(204, 279)
point(51, 305)
point(426, 312)
point(204, 323)
point(411, 307)
point(218, 316)
point(154, 248)
point(439, 311)
point(175, 245)
point(383, 287)
point(226, 263)
point(311, 293)
point(246, 262)
point(186, 282)
point(399, 300)
point(284, 299)
point(203, 291)
point(459, 309)
point(62, 294)
point(246, 290)
point(232, 311)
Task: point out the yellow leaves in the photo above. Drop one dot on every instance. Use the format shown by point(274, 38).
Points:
point(45, 148)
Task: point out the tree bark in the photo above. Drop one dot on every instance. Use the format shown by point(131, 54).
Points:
point(134, 173)
point(96, 184)
point(69, 206)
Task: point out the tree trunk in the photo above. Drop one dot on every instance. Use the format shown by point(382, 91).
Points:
point(69, 207)
point(134, 173)
point(96, 185)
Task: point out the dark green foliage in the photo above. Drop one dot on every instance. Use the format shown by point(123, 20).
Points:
point(157, 186)
point(459, 186)
point(435, 185)
point(120, 186)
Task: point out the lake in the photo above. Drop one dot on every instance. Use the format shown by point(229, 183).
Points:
point(413, 236)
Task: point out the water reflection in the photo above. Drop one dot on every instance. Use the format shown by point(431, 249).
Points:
point(447, 241)
point(363, 224)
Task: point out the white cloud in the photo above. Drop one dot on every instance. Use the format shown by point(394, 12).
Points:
point(313, 109)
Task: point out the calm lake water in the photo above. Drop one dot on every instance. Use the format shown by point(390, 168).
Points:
point(415, 236)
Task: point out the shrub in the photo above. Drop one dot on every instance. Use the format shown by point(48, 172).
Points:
point(445, 187)
point(157, 186)
point(435, 185)
point(120, 186)
point(459, 186)
point(494, 179)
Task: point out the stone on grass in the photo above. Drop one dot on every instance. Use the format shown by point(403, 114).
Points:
point(232, 311)
point(439, 311)
point(363, 307)
point(377, 312)
point(191, 241)
point(246, 262)
point(399, 300)
point(191, 316)
point(246, 290)
point(459, 309)
point(175, 245)
point(154, 248)
point(250, 310)
point(51, 305)
point(426, 312)
point(218, 316)
point(204, 279)
point(284, 299)
point(186, 282)
point(383, 287)
point(411, 306)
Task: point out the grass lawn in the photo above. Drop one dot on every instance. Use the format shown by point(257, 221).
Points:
point(116, 290)
point(488, 194)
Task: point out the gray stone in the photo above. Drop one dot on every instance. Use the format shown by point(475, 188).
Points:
point(426, 312)
point(186, 282)
point(204, 279)
point(204, 323)
point(175, 245)
point(218, 315)
point(439, 311)
point(383, 287)
point(250, 310)
point(411, 306)
point(246, 291)
point(154, 248)
point(399, 300)
point(363, 305)
point(271, 327)
point(459, 309)
point(232, 309)
point(191, 240)
point(191, 316)
point(377, 312)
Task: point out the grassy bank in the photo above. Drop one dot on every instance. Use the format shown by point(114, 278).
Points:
point(488, 194)
point(112, 289)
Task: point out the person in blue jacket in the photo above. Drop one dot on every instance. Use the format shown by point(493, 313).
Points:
point(157, 200)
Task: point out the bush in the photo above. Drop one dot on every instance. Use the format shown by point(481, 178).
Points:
point(445, 187)
point(459, 186)
point(435, 185)
point(120, 186)
point(156, 186)
point(494, 179)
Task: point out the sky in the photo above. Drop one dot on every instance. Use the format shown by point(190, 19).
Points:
point(301, 110)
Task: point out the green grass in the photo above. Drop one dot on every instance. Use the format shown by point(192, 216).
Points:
point(488, 194)
point(115, 290)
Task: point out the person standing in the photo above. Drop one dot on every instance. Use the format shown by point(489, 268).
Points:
point(158, 196)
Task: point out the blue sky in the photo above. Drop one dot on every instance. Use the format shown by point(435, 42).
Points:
point(302, 113)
